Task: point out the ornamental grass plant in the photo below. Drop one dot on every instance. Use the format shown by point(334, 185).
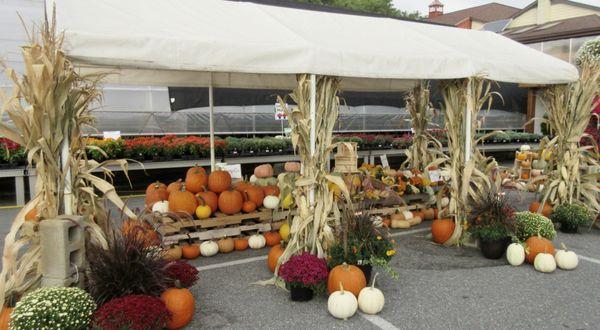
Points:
point(492, 218)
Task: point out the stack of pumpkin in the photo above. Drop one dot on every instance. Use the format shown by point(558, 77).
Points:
point(531, 164)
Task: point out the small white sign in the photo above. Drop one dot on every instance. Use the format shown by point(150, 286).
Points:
point(434, 176)
point(235, 170)
point(384, 161)
point(279, 112)
point(113, 135)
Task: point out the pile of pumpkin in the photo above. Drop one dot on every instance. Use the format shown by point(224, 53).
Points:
point(407, 219)
point(531, 164)
point(201, 195)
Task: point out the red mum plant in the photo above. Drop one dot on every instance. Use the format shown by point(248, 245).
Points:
point(135, 312)
point(183, 272)
point(305, 270)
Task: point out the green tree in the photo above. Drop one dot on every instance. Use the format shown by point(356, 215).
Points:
point(384, 7)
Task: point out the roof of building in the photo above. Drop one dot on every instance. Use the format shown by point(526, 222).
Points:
point(569, 2)
point(484, 13)
point(436, 3)
point(567, 28)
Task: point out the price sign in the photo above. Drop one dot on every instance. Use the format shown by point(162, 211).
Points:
point(235, 170)
point(279, 113)
point(384, 161)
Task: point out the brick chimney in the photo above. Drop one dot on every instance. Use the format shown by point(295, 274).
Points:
point(436, 8)
point(543, 11)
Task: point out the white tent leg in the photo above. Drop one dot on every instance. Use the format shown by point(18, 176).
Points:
point(468, 123)
point(313, 128)
point(211, 105)
point(67, 193)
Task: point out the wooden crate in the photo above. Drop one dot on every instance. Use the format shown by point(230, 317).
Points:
point(346, 158)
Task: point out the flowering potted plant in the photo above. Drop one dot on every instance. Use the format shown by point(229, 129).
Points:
point(304, 274)
point(491, 223)
point(571, 216)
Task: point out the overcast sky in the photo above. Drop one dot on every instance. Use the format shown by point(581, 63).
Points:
point(454, 5)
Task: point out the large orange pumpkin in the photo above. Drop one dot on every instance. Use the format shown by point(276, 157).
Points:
point(271, 191)
point(254, 194)
point(183, 201)
point(190, 251)
point(180, 304)
point(546, 209)
point(230, 202)
point(241, 186)
point(207, 197)
point(352, 278)
point(272, 238)
point(536, 245)
point(442, 229)
point(196, 179)
point(174, 186)
point(240, 243)
point(274, 254)
point(156, 192)
point(219, 181)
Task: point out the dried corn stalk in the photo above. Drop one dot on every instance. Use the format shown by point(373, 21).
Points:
point(574, 176)
point(420, 110)
point(50, 103)
point(469, 180)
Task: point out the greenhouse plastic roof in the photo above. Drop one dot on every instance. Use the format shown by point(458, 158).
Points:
point(241, 44)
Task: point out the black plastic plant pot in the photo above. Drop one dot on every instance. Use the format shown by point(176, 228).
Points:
point(301, 294)
point(493, 249)
point(367, 270)
point(569, 228)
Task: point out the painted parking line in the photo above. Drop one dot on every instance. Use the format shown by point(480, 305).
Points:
point(409, 232)
point(378, 321)
point(232, 263)
point(596, 261)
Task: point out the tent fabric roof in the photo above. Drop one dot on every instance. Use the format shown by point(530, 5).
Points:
point(242, 44)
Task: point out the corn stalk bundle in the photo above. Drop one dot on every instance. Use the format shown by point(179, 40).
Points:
point(574, 176)
point(50, 103)
point(469, 180)
point(420, 110)
point(311, 228)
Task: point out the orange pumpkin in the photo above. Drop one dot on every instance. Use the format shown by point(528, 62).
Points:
point(174, 186)
point(263, 171)
point(351, 277)
point(522, 155)
point(272, 238)
point(180, 304)
point(240, 243)
point(248, 206)
point(5, 317)
point(255, 194)
point(546, 208)
point(387, 222)
point(274, 254)
point(442, 229)
point(241, 186)
point(207, 197)
point(190, 251)
point(525, 176)
point(537, 245)
point(271, 191)
point(219, 181)
point(226, 245)
point(156, 192)
point(196, 179)
point(183, 201)
point(230, 202)
point(419, 213)
point(143, 230)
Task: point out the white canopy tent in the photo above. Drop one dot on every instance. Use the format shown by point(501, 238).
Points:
point(219, 43)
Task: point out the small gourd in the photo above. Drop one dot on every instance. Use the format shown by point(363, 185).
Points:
point(370, 299)
point(161, 207)
point(565, 259)
point(226, 245)
point(209, 248)
point(257, 241)
point(544, 262)
point(203, 211)
point(271, 202)
point(342, 304)
point(444, 201)
point(515, 254)
point(525, 147)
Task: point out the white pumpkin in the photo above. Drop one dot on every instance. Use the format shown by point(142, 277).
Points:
point(271, 202)
point(371, 299)
point(544, 262)
point(525, 147)
point(566, 260)
point(515, 254)
point(161, 207)
point(444, 201)
point(256, 241)
point(342, 304)
point(407, 215)
point(253, 178)
point(209, 248)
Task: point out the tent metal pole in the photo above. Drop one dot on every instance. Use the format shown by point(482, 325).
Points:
point(67, 193)
point(211, 105)
point(468, 121)
point(313, 128)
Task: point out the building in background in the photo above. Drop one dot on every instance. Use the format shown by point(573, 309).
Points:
point(470, 18)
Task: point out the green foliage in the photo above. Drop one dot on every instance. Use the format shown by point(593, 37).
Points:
point(589, 53)
point(383, 7)
point(529, 224)
point(491, 218)
point(571, 215)
point(53, 308)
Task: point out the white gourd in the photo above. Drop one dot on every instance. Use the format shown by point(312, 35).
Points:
point(342, 304)
point(525, 147)
point(544, 262)
point(271, 202)
point(407, 215)
point(565, 259)
point(256, 241)
point(370, 299)
point(515, 254)
point(209, 248)
point(161, 207)
point(445, 201)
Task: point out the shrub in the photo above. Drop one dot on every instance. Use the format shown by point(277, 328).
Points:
point(182, 271)
point(135, 312)
point(529, 224)
point(305, 270)
point(126, 267)
point(53, 308)
point(588, 53)
point(571, 215)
